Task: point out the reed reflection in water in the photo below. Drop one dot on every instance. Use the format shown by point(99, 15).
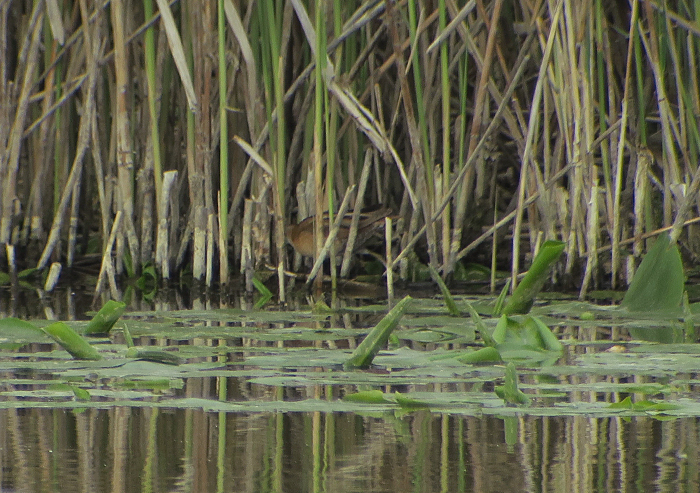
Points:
point(128, 449)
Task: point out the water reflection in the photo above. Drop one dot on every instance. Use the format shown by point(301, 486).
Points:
point(133, 449)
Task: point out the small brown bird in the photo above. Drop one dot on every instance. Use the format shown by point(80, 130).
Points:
point(301, 235)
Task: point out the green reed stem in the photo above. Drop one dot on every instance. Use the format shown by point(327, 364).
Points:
point(150, 58)
point(223, 147)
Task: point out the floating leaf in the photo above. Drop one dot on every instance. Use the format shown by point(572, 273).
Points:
point(644, 405)
point(154, 355)
point(483, 355)
point(14, 330)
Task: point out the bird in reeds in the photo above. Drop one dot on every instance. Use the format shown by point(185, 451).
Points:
point(301, 235)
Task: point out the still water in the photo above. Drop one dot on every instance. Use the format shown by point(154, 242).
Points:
point(109, 447)
point(129, 449)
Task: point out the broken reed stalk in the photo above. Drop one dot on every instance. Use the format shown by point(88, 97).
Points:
point(52, 277)
point(247, 268)
point(209, 278)
point(388, 235)
point(200, 244)
point(591, 240)
point(162, 243)
point(12, 266)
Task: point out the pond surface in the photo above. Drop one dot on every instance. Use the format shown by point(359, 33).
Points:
point(261, 402)
point(145, 449)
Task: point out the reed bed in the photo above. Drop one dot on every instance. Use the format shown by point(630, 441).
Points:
point(142, 131)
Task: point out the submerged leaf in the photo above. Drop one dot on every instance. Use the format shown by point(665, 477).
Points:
point(510, 392)
point(368, 396)
point(407, 402)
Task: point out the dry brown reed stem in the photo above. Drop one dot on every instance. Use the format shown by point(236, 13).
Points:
point(323, 251)
point(592, 240)
point(619, 165)
point(84, 132)
point(200, 244)
point(73, 221)
point(528, 158)
point(107, 268)
point(641, 197)
point(495, 120)
point(414, 136)
point(9, 163)
point(359, 201)
point(124, 148)
point(479, 100)
point(47, 136)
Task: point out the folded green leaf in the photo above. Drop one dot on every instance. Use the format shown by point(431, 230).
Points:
point(659, 281)
point(104, 320)
point(71, 341)
point(363, 355)
point(524, 295)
